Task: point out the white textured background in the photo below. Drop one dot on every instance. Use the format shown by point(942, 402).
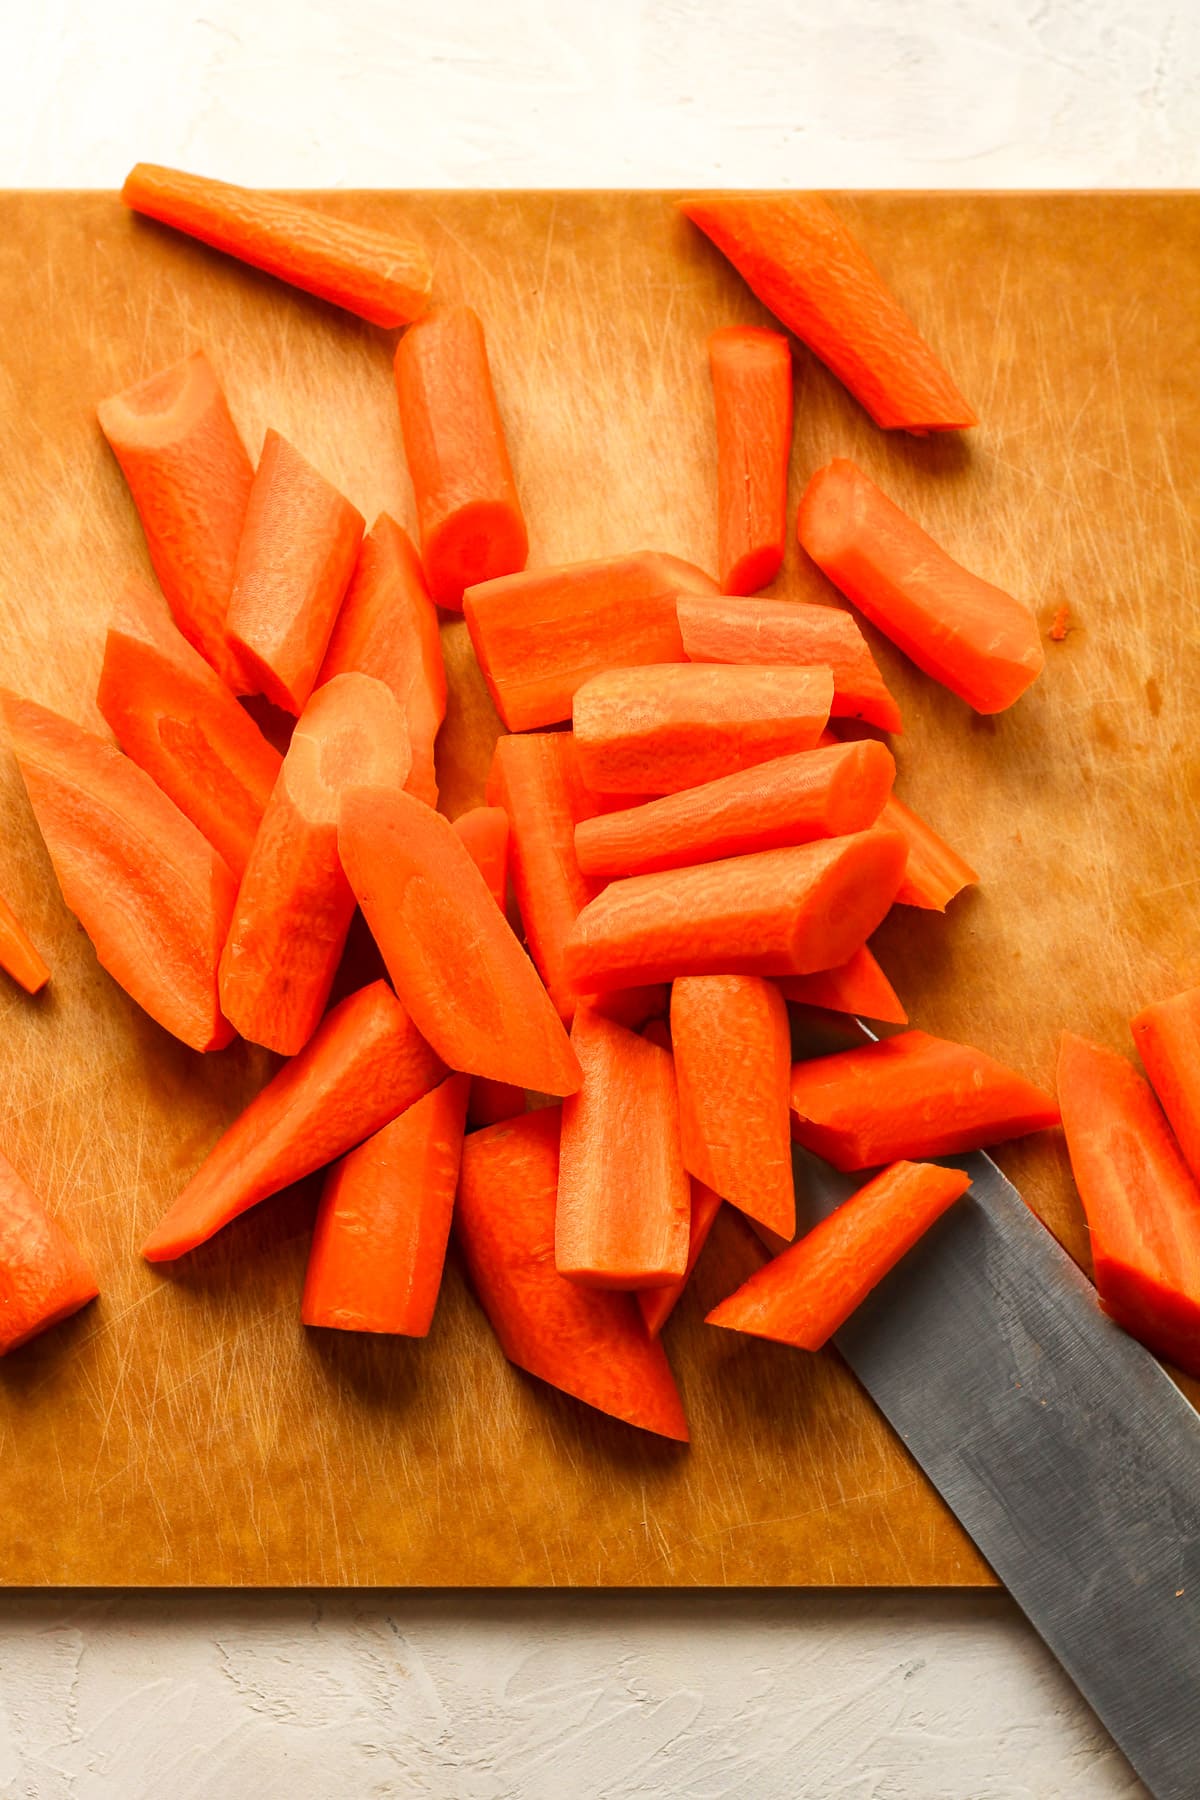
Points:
point(583, 1696)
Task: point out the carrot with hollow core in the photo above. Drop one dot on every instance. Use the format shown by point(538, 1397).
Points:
point(43, 1277)
point(658, 1303)
point(485, 832)
point(190, 478)
point(382, 276)
point(19, 955)
point(752, 397)
point(935, 873)
point(1167, 1034)
point(857, 986)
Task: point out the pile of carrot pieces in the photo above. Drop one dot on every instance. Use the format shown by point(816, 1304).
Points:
point(675, 822)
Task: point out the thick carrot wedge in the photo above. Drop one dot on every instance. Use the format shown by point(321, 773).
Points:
point(151, 893)
point(19, 955)
point(588, 1342)
point(658, 1303)
point(294, 905)
point(540, 634)
point(1142, 1203)
point(911, 1096)
point(43, 1277)
point(485, 833)
point(858, 986)
point(1167, 1035)
point(793, 251)
point(733, 1057)
point(448, 948)
point(624, 1202)
point(717, 630)
point(779, 912)
point(190, 478)
point(472, 526)
point(935, 873)
point(379, 1242)
point(364, 1065)
point(382, 277)
point(176, 718)
point(388, 627)
point(295, 559)
point(752, 396)
point(656, 730)
point(981, 643)
point(805, 1294)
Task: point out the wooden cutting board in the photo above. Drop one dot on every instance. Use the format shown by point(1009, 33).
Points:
point(187, 1428)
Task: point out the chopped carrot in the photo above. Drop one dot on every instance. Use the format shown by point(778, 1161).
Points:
point(382, 276)
point(472, 526)
point(935, 873)
point(1167, 1035)
point(793, 251)
point(190, 478)
point(588, 1342)
point(151, 893)
point(19, 956)
point(43, 1277)
point(1061, 624)
point(364, 1065)
point(485, 832)
point(752, 396)
point(658, 1303)
point(858, 986)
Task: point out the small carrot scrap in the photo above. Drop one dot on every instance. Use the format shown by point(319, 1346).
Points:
point(1167, 1035)
point(658, 1303)
point(858, 986)
point(19, 955)
point(485, 832)
point(752, 396)
point(43, 1277)
point(935, 873)
point(1061, 624)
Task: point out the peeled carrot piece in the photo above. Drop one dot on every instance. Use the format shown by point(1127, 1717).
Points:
point(294, 905)
point(151, 893)
point(485, 833)
point(540, 634)
point(43, 1277)
point(387, 627)
point(364, 1065)
point(658, 1303)
point(472, 526)
point(448, 948)
point(190, 478)
point(858, 986)
point(378, 275)
point(793, 251)
point(752, 396)
point(911, 1096)
point(1167, 1035)
point(733, 1057)
point(19, 956)
point(804, 1295)
point(1142, 1203)
point(656, 730)
point(176, 718)
point(588, 1342)
point(790, 633)
point(935, 873)
point(778, 912)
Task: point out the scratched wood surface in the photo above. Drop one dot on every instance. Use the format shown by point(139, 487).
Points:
point(186, 1428)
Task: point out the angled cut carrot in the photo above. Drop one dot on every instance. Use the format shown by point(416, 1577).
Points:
point(297, 553)
point(793, 251)
point(1167, 1035)
point(658, 1303)
point(804, 1295)
point(858, 986)
point(380, 1238)
point(43, 1277)
point(909, 1097)
point(365, 1063)
point(484, 831)
point(152, 894)
point(935, 873)
point(981, 643)
point(539, 634)
point(190, 478)
point(387, 626)
point(448, 948)
point(588, 1342)
point(381, 276)
point(294, 904)
point(472, 526)
point(752, 397)
point(19, 955)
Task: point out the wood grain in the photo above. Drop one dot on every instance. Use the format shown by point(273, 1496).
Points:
point(187, 1428)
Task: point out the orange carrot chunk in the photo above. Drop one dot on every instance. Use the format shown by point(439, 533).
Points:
point(472, 526)
point(485, 832)
point(381, 276)
point(804, 1295)
point(19, 956)
point(588, 1342)
point(190, 478)
point(752, 396)
point(1167, 1034)
point(658, 1303)
point(793, 251)
point(43, 1277)
point(364, 1065)
point(935, 873)
point(858, 986)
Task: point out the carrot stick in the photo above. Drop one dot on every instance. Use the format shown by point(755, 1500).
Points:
point(717, 630)
point(19, 956)
point(472, 526)
point(294, 905)
point(935, 873)
point(778, 912)
point(449, 950)
point(382, 277)
point(793, 251)
point(733, 1057)
point(485, 833)
point(43, 1277)
point(388, 627)
point(588, 1342)
point(152, 894)
point(908, 1097)
point(752, 396)
point(804, 1295)
point(858, 986)
point(981, 643)
point(540, 634)
point(658, 1303)
point(364, 1065)
point(1167, 1035)
point(190, 478)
